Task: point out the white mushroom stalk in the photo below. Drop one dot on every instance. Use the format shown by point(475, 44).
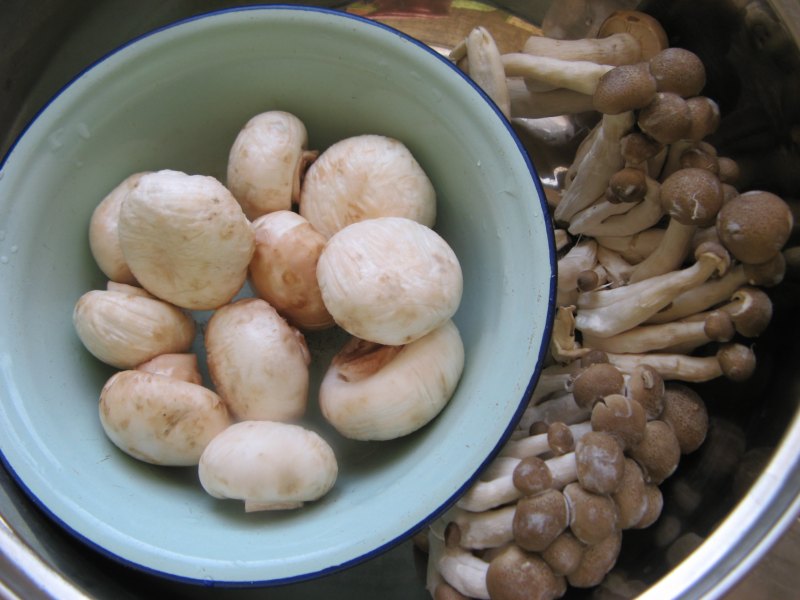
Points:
point(525, 104)
point(185, 239)
point(362, 177)
point(267, 161)
point(268, 465)
point(616, 49)
point(581, 75)
point(125, 326)
point(581, 257)
point(158, 419)
point(640, 217)
point(633, 248)
point(538, 444)
point(375, 392)
point(604, 313)
point(486, 67)
point(602, 159)
point(558, 407)
point(257, 361)
point(389, 280)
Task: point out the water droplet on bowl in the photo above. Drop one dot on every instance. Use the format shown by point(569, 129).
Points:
point(4, 260)
point(83, 131)
point(14, 249)
point(56, 139)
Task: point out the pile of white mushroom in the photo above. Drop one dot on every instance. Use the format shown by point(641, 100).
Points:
point(360, 253)
point(662, 261)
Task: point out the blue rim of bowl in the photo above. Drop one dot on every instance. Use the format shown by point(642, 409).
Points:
point(547, 330)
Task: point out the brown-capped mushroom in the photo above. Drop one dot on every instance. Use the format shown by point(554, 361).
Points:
point(685, 411)
point(658, 453)
point(593, 517)
point(643, 27)
point(624, 88)
point(678, 71)
point(631, 498)
point(755, 226)
point(598, 559)
point(564, 554)
point(666, 119)
point(539, 520)
point(646, 386)
point(621, 417)
point(596, 382)
point(514, 573)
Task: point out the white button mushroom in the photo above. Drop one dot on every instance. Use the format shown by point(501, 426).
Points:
point(257, 361)
point(185, 238)
point(158, 419)
point(268, 465)
point(362, 177)
point(124, 329)
point(373, 392)
point(103, 233)
point(267, 161)
point(389, 280)
point(283, 270)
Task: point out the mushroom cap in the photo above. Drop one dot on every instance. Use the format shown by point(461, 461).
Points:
point(646, 386)
point(666, 119)
point(658, 453)
point(729, 171)
point(266, 161)
point(685, 411)
point(705, 117)
point(269, 465)
point(595, 382)
point(637, 148)
point(620, 417)
point(766, 274)
point(103, 233)
point(631, 498)
point(692, 196)
point(444, 591)
point(755, 226)
point(125, 329)
point(283, 270)
point(752, 311)
point(564, 554)
point(643, 27)
point(678, 71)
point(364, 177)
point(540, 519)
point(600, 462)
point(160, 420)
point(737, 361)
point(697, 157)
point(655, 504)
point(373, 392)
point(624, 88)
point(598, 559)
point(532, 476)
point(560, 438)
point(593, 517)
point(257, 361)
point(389, 280)
point(518, 575)
point(185, 239)
point(182, 366)
point(627, 185)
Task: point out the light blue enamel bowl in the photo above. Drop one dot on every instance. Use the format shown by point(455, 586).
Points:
point(176, 99)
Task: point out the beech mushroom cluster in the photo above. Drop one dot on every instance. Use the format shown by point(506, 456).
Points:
point(661, 276)
point(295, 241)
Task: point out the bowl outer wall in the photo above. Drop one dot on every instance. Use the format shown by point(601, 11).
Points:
point(176, 99)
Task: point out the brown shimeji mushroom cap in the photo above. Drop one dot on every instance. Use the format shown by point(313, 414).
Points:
point(686, 412)
point(595, 382)
point(646, 386)
point(540, 519)
point(560, 438)
point(692, 196)
point(600, 462)
point(754, 226)
point(598, 559)
point(667, 119)
point(658, 453)
point(593, 517)
point(515, 574)
point(621, 417)
point(532, 476)
point(564, 554)
point(631, 497)
point(678, 71)
point(624, 88)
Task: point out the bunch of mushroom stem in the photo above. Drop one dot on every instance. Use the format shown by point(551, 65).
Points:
point(662, 261)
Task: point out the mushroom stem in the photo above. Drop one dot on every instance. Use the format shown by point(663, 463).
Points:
point(488, 529)
point(486, 67)
point(526, 104)
point(459, 567)
point(734, 361)
point(601, 160)
point(538, 444)
point(669, 255)
point(687, 335)
point(616, 49)
point(642, 215)
point(580, 75)
point(580, 257)
point(604, 313)
point(558, 408)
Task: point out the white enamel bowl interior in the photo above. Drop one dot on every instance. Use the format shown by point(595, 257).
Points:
point(176, 99)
